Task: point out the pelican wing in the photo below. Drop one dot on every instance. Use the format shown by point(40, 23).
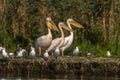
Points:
point(54, 43)
point(39, 40)
point(67, 43)
point(43, 41)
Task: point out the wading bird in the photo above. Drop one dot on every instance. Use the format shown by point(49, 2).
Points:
point(69, 39)
point(43, 42)
point(58, 42)
point(11, 54)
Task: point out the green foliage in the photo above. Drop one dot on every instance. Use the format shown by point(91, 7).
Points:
point(23, 21)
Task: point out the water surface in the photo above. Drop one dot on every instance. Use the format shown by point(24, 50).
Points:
point(11, 76)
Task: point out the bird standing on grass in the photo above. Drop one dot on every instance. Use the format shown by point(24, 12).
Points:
point(46, 55)
point(58, 42)
point(108, 54)
point(4, 53)
point(69, 39)
point(32, 52)
point(76, 51)
point(88, 54)
point(20, 53)
point(43, 42)
point(56, 53)
point(11, 54)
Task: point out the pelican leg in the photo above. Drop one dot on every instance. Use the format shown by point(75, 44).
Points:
point(40, 50)
point(62, 52)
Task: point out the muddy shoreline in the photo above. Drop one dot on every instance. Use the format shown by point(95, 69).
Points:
point(63, 65)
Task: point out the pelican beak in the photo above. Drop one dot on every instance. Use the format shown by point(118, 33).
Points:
point(65, 26)
point(51, 25)
point(74, 23)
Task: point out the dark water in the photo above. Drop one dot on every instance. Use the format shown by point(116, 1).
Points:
point(11, 76)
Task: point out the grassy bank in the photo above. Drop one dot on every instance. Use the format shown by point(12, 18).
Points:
point(82, 65)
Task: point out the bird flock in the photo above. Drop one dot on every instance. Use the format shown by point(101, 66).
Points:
point(17, 54)
point(47, 44)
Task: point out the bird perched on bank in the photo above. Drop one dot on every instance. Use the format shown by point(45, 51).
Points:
point(76, 51)
point(46, 55)
point(108, 54)
point(43, 42)
point(56, 53)
point(58, 42)
point(88, 54)
point(20, 53)
point(32, 52)
point(4, 53)
point(11, 54)
point(69, 39)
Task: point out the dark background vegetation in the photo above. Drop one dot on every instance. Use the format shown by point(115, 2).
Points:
point(23, 21)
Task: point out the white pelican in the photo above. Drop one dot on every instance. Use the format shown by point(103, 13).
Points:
point(69, 39)
point(58, 42)
point(56, 53)
point(76, 51)
point(108, 54)
point(20, 53)
point(32, 52)
point(46, 55)
point(4, 53)
point(44, 42)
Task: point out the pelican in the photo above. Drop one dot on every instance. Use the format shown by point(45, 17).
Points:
point(58, 42)
point(4, 53)
point(108, 54)
point(32, 52)
point(46, 55)
point(76, 51)
point(44, 42)
point(69, 39)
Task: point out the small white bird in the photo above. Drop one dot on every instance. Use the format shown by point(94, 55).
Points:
point(4, 53)
point(88, 54)
point(20, 53)
point(32, 52)
point(46, 55)
point(76, 51)
point(108, 54)
point(11, 54)
point(56, 53)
